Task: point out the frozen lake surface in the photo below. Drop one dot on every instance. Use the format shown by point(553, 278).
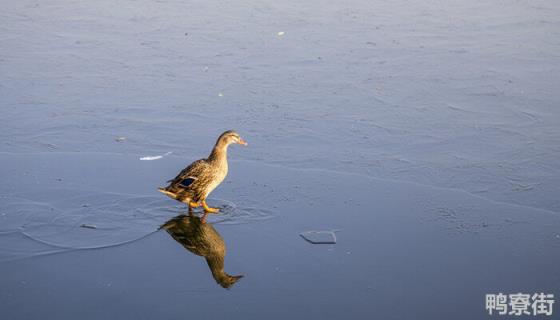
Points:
point(397, 243)
point(426, 134)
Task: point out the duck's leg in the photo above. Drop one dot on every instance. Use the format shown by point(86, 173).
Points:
point(192, 205)
point(207, 209)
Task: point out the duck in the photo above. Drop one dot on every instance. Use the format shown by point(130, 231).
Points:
point(194, 183)
point(203, 240)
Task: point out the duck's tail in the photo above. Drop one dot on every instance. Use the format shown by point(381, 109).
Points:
point(168, 193)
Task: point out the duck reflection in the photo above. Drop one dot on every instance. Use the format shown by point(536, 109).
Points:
point(202, 239)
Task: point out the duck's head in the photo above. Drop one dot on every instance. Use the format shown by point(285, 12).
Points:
point(230, 137)
point(227, 281)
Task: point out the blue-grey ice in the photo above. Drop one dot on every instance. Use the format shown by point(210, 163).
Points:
point(427, 130)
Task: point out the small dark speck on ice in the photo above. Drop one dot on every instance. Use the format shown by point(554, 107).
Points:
point(319, 237)
point(88, 226)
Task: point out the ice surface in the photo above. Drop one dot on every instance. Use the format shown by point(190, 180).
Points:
point(462, 95)
point(427, 131)
point(400, 240)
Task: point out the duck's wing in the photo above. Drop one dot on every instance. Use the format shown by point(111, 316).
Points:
point(190, 174)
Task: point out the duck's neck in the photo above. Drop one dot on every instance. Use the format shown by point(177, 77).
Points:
point(216, 265)
point(219, 153)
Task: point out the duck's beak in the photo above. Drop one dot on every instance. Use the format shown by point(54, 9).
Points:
point(243, 142)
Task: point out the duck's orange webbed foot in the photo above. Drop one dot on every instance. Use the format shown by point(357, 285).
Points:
point(207, 209)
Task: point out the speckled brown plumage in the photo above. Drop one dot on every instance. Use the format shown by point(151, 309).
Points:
point(193, 184)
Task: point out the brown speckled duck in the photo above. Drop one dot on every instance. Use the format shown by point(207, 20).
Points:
point(193, 184)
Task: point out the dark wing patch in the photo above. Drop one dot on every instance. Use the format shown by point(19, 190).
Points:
point(187, 181)
point(189, 178)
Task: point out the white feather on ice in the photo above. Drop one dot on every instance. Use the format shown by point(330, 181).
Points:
point(149, 158)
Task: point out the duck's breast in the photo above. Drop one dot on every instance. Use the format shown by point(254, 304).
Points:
point(220, 175)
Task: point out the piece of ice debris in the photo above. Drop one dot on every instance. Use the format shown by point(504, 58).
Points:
point(220, 94)
point(120, 139)
point(88, 226)
point(319, 237)
point(205, 69)
point(85, 205)
point(281, 33)
point(149, 158)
